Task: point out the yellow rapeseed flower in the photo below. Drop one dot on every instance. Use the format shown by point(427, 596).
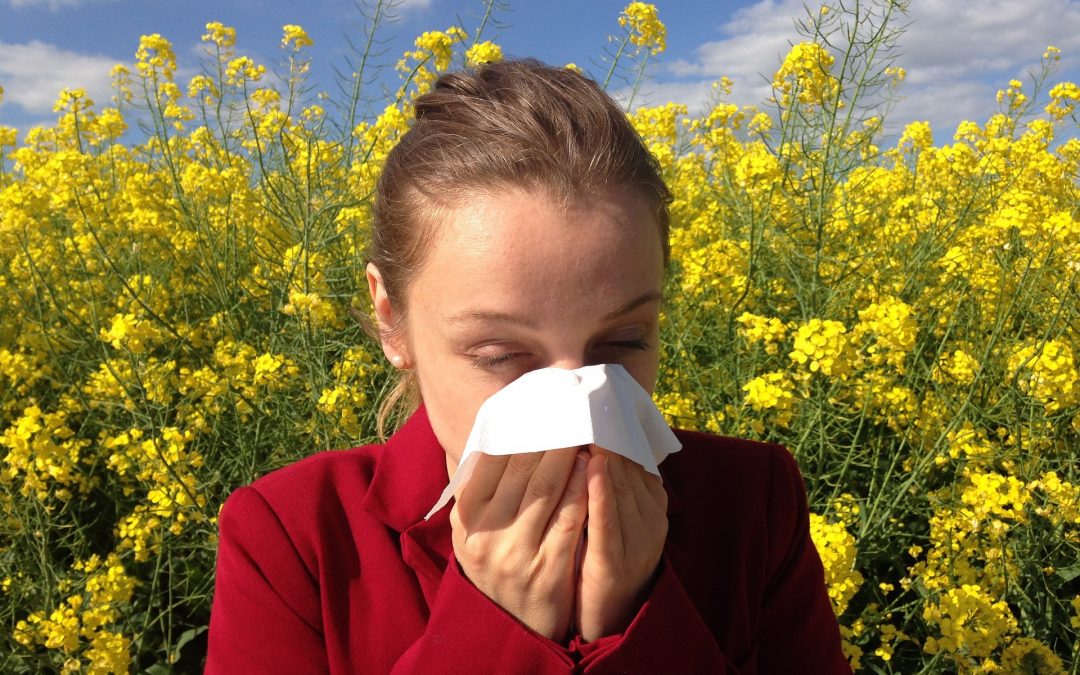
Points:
point(805, 74)
point(642, 20)
point(483, 52)
point(220, 34)
point(295, 37)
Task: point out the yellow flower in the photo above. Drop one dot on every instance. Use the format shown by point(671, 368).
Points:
point(483, 52)
point(220, 34)
point(155, 56)
point(295, 36)
point(772, 392)
point(958, 366)
point(805, 74)
point(822, 346)
point(836, 547)
point(768, 330)
point(1027, 655)
point(243, 68)
point(918, 135)
point(1046, 371)
point(890, 327)
point(1063, 100)
point(645, 28)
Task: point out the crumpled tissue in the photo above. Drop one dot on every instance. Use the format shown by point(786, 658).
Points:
point(554, 408)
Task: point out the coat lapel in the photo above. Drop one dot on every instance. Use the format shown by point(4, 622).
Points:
point(410, 475)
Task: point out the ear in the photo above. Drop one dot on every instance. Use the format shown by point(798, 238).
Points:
point(384, 314)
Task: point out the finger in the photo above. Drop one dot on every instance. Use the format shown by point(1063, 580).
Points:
point(564, 528)
point(649, 495)
point(655, 486)
point(623, 478)
point(514, 481)
point(604, 528)
point(481, 486)
point(546, 487)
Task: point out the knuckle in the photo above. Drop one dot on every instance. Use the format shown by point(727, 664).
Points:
point(542, 485)
point(485, 458)
point(521, 466)
point(566, 521)
point(619, 478)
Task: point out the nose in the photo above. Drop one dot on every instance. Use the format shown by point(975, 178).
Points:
point(568, 364)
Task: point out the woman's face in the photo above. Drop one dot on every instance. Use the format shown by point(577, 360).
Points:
point(513, 284)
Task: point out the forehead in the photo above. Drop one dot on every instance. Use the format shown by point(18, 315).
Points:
point(528, 251)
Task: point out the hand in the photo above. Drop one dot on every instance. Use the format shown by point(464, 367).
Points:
point(625, 538)
point(516, 527)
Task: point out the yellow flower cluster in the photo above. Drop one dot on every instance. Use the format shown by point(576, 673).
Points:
point(836, 546)
point(1047, 373)
point(483, 52)
point(295, 37)
point(220, 34)
point(87, 619)
point(958, 367)
point(770, 331)
point(347, 397)
point(44, 452)
point(890, 327)
point(806, 75)
point(972, 623)
point(822, 346)
point(646, 30)
point(434, 49)
point(774, 392)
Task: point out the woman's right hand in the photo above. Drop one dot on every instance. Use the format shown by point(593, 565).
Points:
point(516, 526)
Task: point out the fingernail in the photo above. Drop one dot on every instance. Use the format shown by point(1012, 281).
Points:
point(580, 463)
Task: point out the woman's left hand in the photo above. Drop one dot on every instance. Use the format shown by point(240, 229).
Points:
point(627, 527)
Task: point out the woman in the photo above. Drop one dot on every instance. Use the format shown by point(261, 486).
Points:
point(520, 224)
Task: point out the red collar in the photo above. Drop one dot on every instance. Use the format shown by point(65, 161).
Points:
point(410, 474)
point(409, 477)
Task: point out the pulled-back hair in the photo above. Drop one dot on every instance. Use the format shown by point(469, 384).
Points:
point(518, 125)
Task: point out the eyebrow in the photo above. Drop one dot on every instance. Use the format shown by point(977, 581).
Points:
point(517, 320)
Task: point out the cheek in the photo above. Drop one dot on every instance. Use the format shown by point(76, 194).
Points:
point(452, 399)
point(645, 370)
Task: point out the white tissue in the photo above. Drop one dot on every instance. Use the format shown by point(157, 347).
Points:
point(554, 408)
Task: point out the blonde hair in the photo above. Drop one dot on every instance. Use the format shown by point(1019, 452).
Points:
point(515, 125)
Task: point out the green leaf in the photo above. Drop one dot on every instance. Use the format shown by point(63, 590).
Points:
point(1069, 573)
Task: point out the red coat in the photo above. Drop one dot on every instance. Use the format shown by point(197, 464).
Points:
point(328, 565)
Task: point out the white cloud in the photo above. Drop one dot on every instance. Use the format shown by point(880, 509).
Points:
point(32, 75)
point(956, 54)
point(407, 5)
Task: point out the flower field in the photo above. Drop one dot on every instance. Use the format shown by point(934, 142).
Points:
point(178, 317)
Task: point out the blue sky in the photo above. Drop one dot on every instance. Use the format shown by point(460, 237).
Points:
point(957, 53)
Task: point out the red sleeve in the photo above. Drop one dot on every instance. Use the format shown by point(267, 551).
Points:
point(667, 636)
point(467, 629)
point(797, 631)
point(266, 615)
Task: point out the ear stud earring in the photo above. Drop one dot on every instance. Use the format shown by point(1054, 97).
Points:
point(397, 360)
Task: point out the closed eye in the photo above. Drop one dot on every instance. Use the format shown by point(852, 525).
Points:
point(629, 344)
point(493, 361)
